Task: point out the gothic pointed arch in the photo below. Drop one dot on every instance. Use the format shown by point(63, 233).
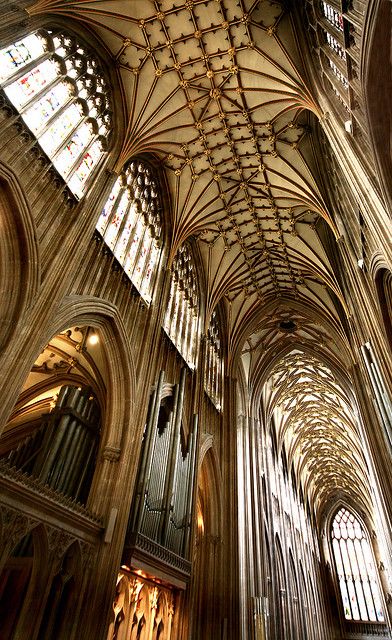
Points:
point(19, 255)
point(205, 619)
point(355, 568)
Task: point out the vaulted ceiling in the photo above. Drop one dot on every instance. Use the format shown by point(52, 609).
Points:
point(218, 92)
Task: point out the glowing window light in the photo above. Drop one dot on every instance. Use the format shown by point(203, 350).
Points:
point(355, 569)
point(60, 94)
point(130, 224)
point(182, 315)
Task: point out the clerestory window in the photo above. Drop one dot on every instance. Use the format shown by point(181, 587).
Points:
point(57, 87)
point(131, 225)
point(356, 570)
point(181, 320)
point(334, 17)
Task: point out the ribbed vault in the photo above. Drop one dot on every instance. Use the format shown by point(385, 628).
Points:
point(217, 92)
point(298, 367)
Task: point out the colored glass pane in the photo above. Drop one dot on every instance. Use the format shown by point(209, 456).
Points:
point(369, 601)
point(128, 223)
point(18, 55)
point(141, 261)
point(333, 16)
point(26, 87)
point(135, 244)
point(70, 153)
point(60, 129)
point(122, 243)
point(116, 220)
point(46, 107)
point(41, 92)
point(108, 208)
point(89, 160)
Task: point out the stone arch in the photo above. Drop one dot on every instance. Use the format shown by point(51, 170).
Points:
point(62, 595)
point(210, 475)
point(116, 396)
point(23, 581)
point(207, 550)
point(19, 256)
point(105, 318)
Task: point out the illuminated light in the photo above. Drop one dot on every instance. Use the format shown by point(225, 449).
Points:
point(348, 125)
point(124, 566)
point(93, 338)
point(200, 522)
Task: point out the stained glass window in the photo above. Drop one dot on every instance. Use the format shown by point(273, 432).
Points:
point(356, 569)
point(338, 73)
point(214, 362)
point(130, 224)
point(181, 320)
point(333, 16)
point(335, 46)
point(57, 87)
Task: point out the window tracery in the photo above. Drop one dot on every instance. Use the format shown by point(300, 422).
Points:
point(335, 30)
point(58, 89)
point(356, 569)
point(181, 320)
point(131, 225)
point(334, 17)
point(214, 362)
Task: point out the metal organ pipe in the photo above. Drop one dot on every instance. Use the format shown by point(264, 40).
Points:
point(169, 481)
point(149, 450)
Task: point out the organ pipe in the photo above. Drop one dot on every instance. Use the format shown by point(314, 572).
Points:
point(162, 506)
point(170, 474)
point(61, 451)
point(149, 449)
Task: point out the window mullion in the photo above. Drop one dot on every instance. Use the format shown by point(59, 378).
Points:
point(57, 114)
point(81, 154)
point(19, 73)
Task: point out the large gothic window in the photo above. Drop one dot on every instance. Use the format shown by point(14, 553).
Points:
point(356, 569)
point(214, 362)
point(58, 89)
point(181, 320)
point(131, 225)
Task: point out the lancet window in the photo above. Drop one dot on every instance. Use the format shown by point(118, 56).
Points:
point(181, 320)
point(214, 362)
point(131, 225)
point(57, 87)
point(334, 17)
point(356, 570)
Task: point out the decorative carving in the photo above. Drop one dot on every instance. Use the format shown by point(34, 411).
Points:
point(15, 525)
point(112, 454)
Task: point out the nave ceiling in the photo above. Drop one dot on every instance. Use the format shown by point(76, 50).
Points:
point(218, 92)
